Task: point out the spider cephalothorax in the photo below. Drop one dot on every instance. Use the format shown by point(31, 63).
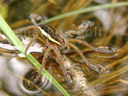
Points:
point(48, 29)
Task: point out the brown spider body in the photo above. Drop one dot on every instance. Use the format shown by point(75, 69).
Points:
point(55, 43)
point(52, 43)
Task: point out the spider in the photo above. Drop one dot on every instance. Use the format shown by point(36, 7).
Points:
point(55, 43)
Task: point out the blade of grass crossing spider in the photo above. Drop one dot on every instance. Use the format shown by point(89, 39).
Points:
point(11, 35)
point(47, 75)
point(16, 42)
point(85, 10)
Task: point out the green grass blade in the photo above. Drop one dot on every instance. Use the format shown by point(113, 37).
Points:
point(85, 10)
point(15, 41)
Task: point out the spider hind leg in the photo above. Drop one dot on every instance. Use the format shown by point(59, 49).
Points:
point(46, 52)
point(90, 46)
point(61, 62)
point(94, 68)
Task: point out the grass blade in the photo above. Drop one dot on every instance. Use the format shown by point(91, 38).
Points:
point(16, 42)
point(85, 10)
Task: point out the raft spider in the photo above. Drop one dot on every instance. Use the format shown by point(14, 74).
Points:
point(53, 42)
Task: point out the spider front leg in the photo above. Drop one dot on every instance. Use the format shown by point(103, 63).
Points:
point(46, 52)
point(83, 57)
point(25, 29)
point(59, 56)
point(88, 45)
point(30, 43)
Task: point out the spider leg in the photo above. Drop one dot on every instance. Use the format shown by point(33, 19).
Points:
point(46, 52)
point(25, 28)
point(83, 57)
point(88, 45)
point(30, 43)
point(59, 56)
